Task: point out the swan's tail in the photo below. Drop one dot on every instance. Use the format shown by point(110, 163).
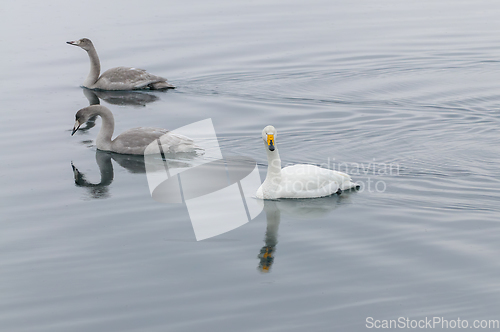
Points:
point(344, 180)
point(161, 86)
point(348, 184)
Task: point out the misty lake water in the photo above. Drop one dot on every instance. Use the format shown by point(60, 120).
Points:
point(404, 95)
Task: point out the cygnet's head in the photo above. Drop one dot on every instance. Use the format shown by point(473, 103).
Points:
point(269, 136)
point(83, 116)
point(84, 43)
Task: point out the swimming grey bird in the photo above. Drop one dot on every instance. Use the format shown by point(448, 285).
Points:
point(119, 78)
point(132, 141)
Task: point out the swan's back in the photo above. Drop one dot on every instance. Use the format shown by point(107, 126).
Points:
point(128, 78)
point(309, 181)
point(136, 140)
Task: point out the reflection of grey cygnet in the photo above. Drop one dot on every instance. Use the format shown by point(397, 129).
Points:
point(134, 98)
point(97, 190)
point(132, 163)
point(132, 141)
point(297, 181)
point(119, 78)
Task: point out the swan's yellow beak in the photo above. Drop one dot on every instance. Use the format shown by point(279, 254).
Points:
point(75, 127)
point(270, 142)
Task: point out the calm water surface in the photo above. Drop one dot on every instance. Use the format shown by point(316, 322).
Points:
point(403, 95)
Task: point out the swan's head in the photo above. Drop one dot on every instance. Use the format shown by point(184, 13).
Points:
point(84, 43)
point(83, 116)
point(269, 136)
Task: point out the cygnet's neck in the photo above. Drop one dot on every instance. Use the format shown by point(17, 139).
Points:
point(103, 140)
point(95, 69)
point(273, 167)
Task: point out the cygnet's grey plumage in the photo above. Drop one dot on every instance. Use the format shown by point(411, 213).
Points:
point(119, 78)
point(132, 141)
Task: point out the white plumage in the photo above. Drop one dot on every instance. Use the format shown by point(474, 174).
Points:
point(297, 181)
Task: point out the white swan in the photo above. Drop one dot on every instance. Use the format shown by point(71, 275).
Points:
point(132, 141)
point(119, 78)
point(297, 181)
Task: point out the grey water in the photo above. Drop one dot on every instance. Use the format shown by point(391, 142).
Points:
point(403, 95)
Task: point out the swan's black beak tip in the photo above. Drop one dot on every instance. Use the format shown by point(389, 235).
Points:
point(75, 127)
point(270, 142)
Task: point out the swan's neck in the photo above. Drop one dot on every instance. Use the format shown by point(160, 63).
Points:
point(103, 140)
point(95, 69)
point(273, 177)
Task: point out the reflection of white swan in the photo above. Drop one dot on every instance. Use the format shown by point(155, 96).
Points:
point(273, 218)
point(310, 209)
point(119, 78)
point(305, 209)
point(297, 181)
point(132, 141)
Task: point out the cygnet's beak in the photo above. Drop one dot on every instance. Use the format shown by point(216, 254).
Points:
point(75, 127)
point(72, 43)
point(270, 142)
